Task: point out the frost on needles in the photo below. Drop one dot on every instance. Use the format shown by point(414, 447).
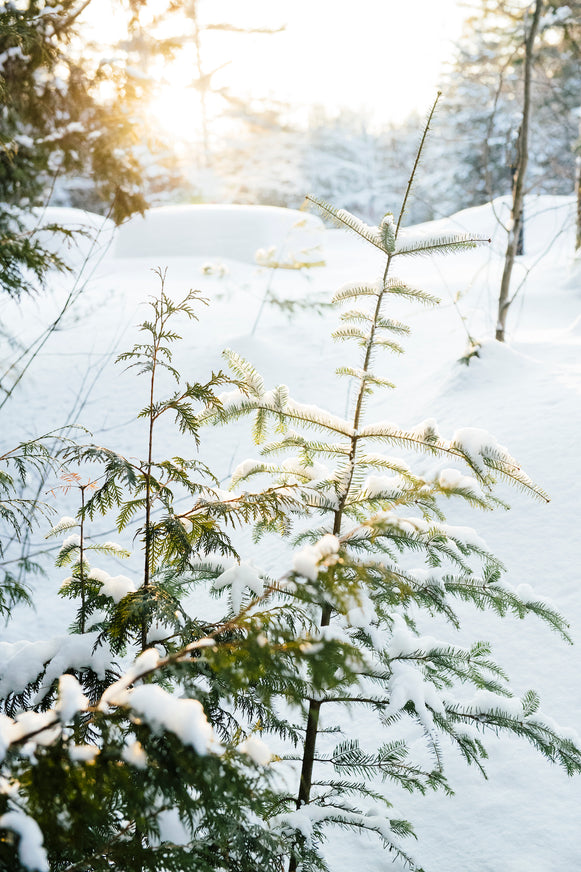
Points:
point(152, 737)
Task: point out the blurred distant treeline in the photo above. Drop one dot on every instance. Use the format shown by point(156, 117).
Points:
point(74, 129)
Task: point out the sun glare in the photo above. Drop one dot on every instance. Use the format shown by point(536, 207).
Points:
point(175, 113)
point(176, 107)
point(384, 60)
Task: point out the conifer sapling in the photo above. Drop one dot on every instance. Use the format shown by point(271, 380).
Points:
point(368, 517)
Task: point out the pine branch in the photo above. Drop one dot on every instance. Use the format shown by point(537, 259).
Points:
point(345, 220)
point(440, 245)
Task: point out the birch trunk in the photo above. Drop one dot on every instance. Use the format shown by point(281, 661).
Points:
point(504, 299)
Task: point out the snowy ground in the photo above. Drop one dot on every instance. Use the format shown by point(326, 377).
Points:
point(527, 393)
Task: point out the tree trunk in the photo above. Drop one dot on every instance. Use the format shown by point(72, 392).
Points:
point(520, 242)
point(578, 189)
point(504, 300)
point(309, 746)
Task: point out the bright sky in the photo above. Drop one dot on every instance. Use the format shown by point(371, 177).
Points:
point(382, 57)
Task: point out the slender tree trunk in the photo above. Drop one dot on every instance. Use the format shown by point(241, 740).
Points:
point(311, 736)
point(578, 186)
point(504, 300)
point(82, 562)
point(520, 242)
point(202, 86)
point(147, 556)
point(578, 189)
point(312, 727)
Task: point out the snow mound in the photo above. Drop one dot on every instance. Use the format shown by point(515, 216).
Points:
point(234, 232)
point(549, 220)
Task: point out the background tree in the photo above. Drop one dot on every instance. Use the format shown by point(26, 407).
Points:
point(578, 188)
point(365, 511)
point(202, 81)
point(195, 34)
point(482, 105)
point(65, 113)
point(515, 244)
point(132, 756)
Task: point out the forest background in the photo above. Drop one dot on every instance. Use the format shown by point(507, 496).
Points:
point(100, 127)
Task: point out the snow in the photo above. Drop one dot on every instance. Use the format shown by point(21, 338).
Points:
point(42, 726)
point(404, 642)
point(31, 850)
point(83, 753)
point(307, 561)
point(408, 684)
point(311, 413)
point(465, 535)
point(454, 533)
point(360, 226)
point(258, 751)
point(214, 231)
point(114, 586)
point(113, 546)
point(476, 444)
point(295, 821)
point(453, 479)
point(237, 578)
point(171, 829)
point(485, 701)
point(377, 485)
point(183, 717)
point(526, 392)
point(14, 52)
point(71, 698)
point(135, 755)
point(245, 468)
point(313, 473)
point(116, 694)
point(65, 523)
point(303, 819)
point(21, 662)
point(362, 614)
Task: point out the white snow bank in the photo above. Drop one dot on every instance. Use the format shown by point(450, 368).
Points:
point(234, 232)
point(547, 220)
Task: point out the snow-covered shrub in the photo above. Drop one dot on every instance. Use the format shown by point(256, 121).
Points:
point(135, 742)
point(156, 736)
point(381, 562)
